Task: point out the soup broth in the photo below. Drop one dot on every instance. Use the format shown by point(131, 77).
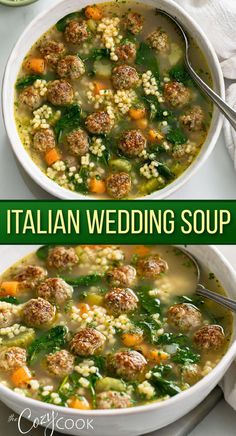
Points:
point(101, 327)
point(105, 106)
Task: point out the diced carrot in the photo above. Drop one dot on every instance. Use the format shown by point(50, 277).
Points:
point(158, 356)
point(79, 403)
point(21, 376)
point(97, 186)
point(155, 136)
point(141, 250)
point(93, 12)
point(52, 156)
point(83, 307)
point(35, 65)
point(131, 339)
point(98, 86)
point(137, 113)
point(142, 123)
point(9, 288)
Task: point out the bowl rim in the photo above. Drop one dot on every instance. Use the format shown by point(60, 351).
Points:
point(226, 359)
point(18, 3)
point(56, 190)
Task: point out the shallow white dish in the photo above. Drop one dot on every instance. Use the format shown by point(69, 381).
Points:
point(40, 25)
point(137, 420)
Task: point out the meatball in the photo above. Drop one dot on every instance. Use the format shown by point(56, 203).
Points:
point(71, 67)
point(44, 139)
point(120, 301)
point(87, 342)
point(210, 337)
point(78, 142)
point(118, 185)
point(193, 119)
point(9, 314)
point(55, 290)
point(126, 52)
point(30, 97)
point(30, 276)
point(128, 364)
point(151, 267)
point(184, 317)
point(62, 258)
point(113, 400)
point(38, 312)
point(134, 22)
point(12, 358)
point(122, 275)
point(60, 363)
point(52, 51)
point(76, 32)
point(132, 143)
point(124, 77)
point(176, 94)
point(60, 93)
point(159, 40)
point(99, 122)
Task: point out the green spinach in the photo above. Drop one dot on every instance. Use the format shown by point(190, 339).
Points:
point(49, 342)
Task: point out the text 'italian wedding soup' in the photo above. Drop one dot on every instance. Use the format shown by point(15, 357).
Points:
point(105, 106)
point(104, 327)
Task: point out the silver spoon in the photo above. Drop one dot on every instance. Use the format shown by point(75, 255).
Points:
point(203, 292)
point(229, 113)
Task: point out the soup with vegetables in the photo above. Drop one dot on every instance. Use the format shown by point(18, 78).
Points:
point(105, 106)
point(103, 327)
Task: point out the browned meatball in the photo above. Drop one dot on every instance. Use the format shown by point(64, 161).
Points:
point(76, 32)
point(113, 400)
point(134, 22)
point(122, 275)
point(55, 290)
point(176, 94)
point(151, 267)
point(30, 275)
point(184, 317)
point(128, 364)
point(87, 342)
point(9, 314)
point(99, 122)
point(62, 258)
point(71, 66)
point(52, 51)
point(30, 97)
point(118, 185)
point(60, 363)
point(78, 142)
point(124, 77)
point(126, 52)
point(38, 313)
point(60, 93)
point(192, 120)
point(210, 337)
point(132, 143)
point(12, 358)
point(119, 300)
point(159, 40)
point(44, 139)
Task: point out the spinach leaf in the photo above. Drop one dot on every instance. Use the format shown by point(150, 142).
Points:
point(146, 57)
point(97, 54)
point(23, 82)
point(163, 386)
point(100, 362)
point(176, 137)
point(62, 23)
point(11, 300)
point(179, 74)
point(42, 252)
point(171, 338)
point(150, 304)
point(83, 186)
point(152, 104)
point(163, 370)
point(165, 171)
point(70, 119)
point(195, 300)
point(86, 280)
point(185, 356)
point(50, 341)
point(150, 328)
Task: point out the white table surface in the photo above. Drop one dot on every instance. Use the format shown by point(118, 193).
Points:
point(215, 180)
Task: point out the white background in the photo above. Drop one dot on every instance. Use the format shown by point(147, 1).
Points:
point(215, 180)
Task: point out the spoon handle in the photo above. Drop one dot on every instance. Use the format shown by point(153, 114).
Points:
point(224, 301)
point(228, 112)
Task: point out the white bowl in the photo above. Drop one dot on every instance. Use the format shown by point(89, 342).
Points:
point(40, 25)
point(137, 420)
